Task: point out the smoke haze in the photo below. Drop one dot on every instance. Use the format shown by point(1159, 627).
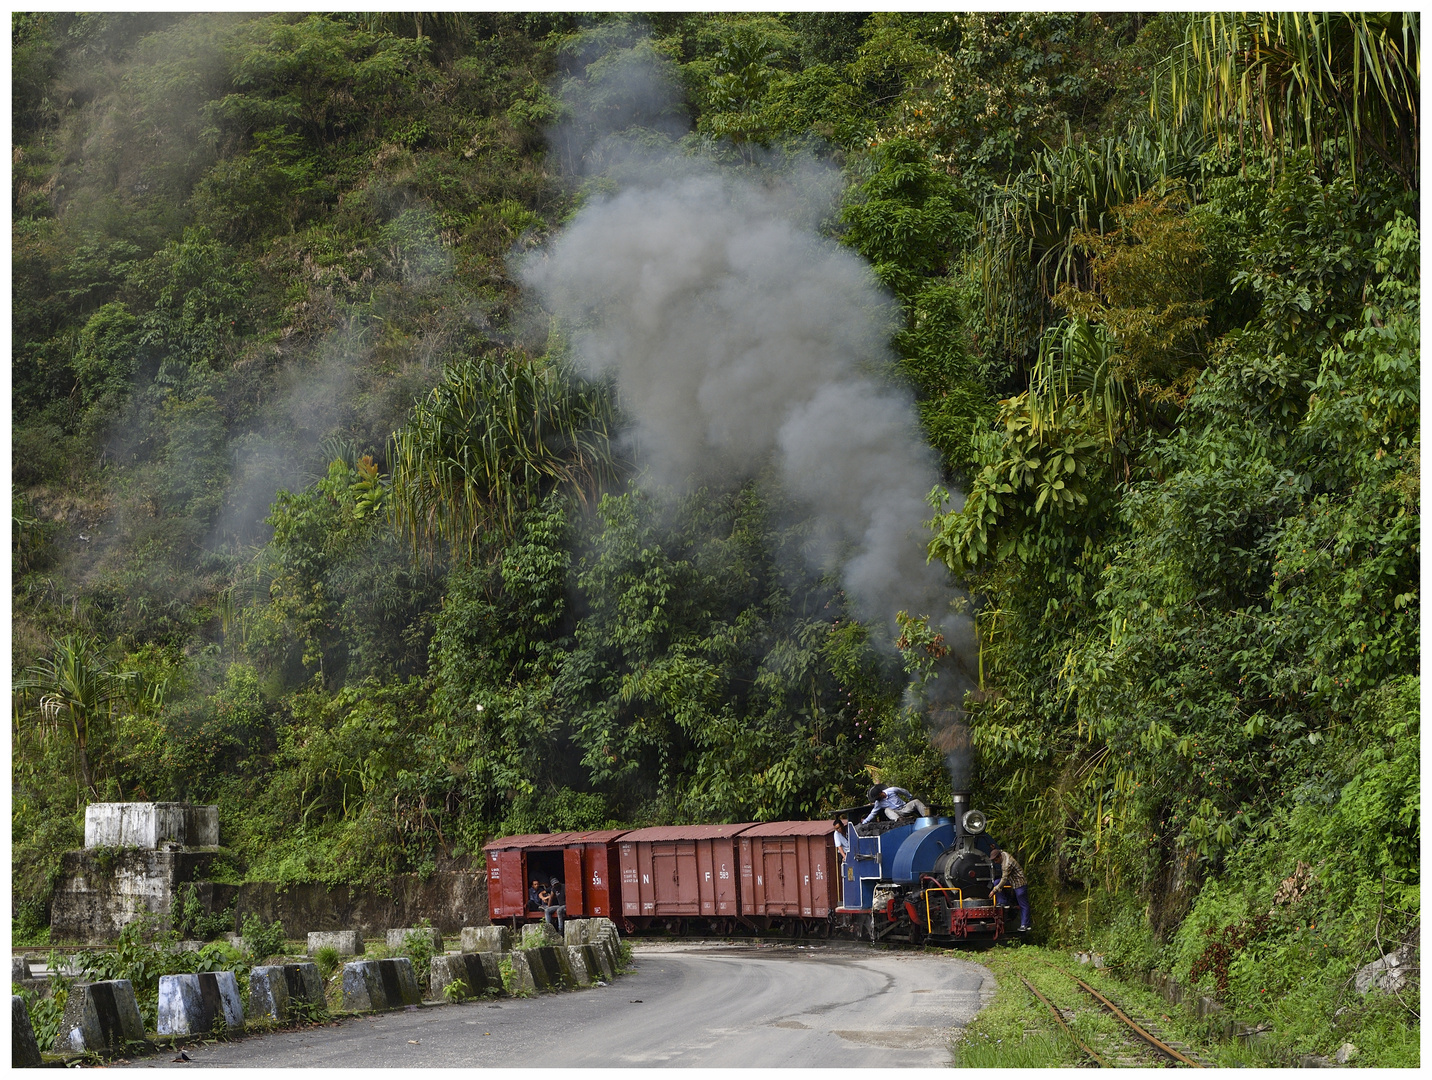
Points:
point(740, 339)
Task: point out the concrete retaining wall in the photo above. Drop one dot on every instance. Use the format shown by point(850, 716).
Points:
point(193, 1004)
point(275, 988)
point(102, 892)
point(448, 899)
point(100, 1016)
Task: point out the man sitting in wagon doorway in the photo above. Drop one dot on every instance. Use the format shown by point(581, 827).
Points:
point(895, 802)
point(554, 904)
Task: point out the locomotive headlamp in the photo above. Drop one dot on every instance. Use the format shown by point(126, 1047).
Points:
point(973, 822)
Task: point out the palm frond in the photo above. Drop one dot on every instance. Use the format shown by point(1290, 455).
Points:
point(1303, 78)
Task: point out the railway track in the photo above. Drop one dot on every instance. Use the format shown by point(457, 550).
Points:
point(1167, 1054)
point(1059, 1016)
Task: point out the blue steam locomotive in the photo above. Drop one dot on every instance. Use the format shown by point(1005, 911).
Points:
point(924, 880)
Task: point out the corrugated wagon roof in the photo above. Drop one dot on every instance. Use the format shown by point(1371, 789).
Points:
point(553, 840)
point(790, 828)
point(685, 832)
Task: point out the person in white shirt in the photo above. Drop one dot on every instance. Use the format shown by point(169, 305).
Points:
point(842, 844)
point(895, 801)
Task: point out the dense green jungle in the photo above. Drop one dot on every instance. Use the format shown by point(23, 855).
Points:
point(315, 518)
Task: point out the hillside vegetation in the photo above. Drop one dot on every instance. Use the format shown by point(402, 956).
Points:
point(314, 518)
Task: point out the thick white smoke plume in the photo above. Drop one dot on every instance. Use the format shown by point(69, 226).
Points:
point(740, 339)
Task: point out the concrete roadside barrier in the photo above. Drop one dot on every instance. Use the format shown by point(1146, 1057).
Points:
point(602, 938)
point(576, 964)
point(486, 939)
point(274, 990)
point(363, 987)
point(347, 942)
point(397, 939)
point(528, 974)
point(19, 969)
point(24, 1050)
point(536, 935)
point(378, 985)
point(100, 1016)
point(477, 977)
point(599, 965)
point(193, 1004)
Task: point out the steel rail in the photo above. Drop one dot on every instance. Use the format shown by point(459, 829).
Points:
point(1065, 1024)
point(1156, 1043)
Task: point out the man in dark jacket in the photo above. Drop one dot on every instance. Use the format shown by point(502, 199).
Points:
point(554, 904)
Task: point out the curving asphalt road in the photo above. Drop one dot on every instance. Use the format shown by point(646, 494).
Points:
point(690, 1004)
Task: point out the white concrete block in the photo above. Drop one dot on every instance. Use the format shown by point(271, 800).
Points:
point(483, 939)
point(150, 826)
point(100, 1016)
point(192, 1004)
point(396, 938)
point(347, 942)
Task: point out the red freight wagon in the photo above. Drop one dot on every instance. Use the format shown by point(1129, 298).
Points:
point(585, 863)
point(789, 870)
point(678, 872)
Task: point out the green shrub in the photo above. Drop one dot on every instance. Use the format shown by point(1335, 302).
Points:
point(190, 919)
point(418, 947)
point(327, 960)
point(457, 990)
point(261, 941)
point(45, 1013)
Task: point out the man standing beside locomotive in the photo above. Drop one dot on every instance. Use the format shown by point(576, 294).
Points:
point(895, 802)
point(1010, 876)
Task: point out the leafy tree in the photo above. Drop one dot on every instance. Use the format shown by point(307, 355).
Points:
point(310, 74)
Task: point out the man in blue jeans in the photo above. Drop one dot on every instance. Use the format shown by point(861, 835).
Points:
point(1010, 875)
point(554, 904)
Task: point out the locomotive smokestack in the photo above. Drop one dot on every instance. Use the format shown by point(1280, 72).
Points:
point(961, 804)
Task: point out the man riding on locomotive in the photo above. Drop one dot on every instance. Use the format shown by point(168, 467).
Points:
point(896, 802)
